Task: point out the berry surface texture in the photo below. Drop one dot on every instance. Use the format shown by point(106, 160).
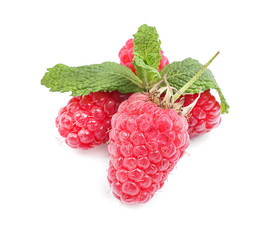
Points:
point(146, 142)
point(205, 115)
point(85, 122)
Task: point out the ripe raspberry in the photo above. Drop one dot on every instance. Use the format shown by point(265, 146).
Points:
point(85, 121)
point(126, 55)
point(205, 115)
point(146, 142)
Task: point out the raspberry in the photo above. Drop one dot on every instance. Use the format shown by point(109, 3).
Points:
point(85, 121)
point(146, 142)
point(205, 115)
point(126, 55)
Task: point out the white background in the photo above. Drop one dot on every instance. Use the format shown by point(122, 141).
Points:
point(223, 189)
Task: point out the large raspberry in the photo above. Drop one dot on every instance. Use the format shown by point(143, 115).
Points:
point(85, 121)
point(205, 115)
point(126, 56)
point(146, 142)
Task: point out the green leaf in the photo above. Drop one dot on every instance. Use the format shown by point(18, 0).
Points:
point(108, 76)
point(179, 73)
point(147, 55)
point(147, 73)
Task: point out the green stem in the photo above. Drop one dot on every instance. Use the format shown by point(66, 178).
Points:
point(188, 84)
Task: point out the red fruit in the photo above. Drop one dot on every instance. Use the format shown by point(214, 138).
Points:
point(85, 121)
point(126, 55)
point(205, 115)
point(146, 142)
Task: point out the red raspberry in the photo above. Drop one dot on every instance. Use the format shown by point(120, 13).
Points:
point(126, 55)
point(205, 115)
point(85, 121)
point(146, 142)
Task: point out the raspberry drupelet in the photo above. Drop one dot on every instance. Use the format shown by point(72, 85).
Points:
point(85, 122)
point(146, 142)
point(126, 56)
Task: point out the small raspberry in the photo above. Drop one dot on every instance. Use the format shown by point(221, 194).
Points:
point(205, 115)
point(85, 121)
point(126, 56)
point(146, 142)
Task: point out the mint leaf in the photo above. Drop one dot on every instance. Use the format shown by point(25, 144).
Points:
point(147, 55)
point(179, 73)
point(108, 76)
point(145, 72)
point(147, 46)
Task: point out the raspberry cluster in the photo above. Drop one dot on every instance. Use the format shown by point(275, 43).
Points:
point(85, 121)
point(149, 131)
